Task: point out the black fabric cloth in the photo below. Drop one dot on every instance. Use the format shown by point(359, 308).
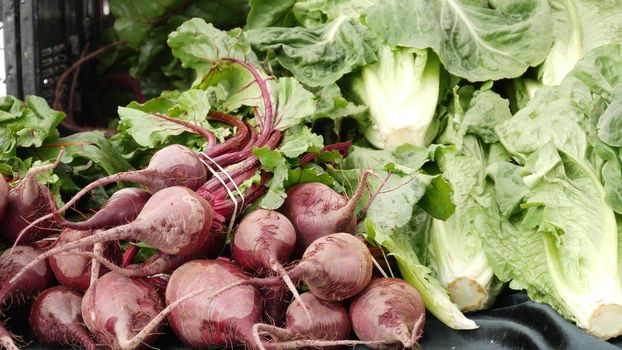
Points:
point(515, 322)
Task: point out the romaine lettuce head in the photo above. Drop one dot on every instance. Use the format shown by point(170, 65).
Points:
point(559, 237)
point(401, 90)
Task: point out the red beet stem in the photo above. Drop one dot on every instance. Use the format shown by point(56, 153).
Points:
point(269, 117)
point(129, 255)
point(341, 147)
point(237, 139)
point(208, 135)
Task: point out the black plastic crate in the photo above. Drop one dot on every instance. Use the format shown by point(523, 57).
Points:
point(43, 38)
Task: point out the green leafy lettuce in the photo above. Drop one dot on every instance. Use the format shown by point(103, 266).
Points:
point(475, 40)
point(318, 55)
point(456, 248)
point(578, 27)
point(558, 237)
point(401, 90)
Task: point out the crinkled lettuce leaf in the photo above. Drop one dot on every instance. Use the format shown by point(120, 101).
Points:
point(559, 238)
point(318, 55)
point(578, 27)
point(475, 40)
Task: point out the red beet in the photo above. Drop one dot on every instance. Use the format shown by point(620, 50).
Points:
point(175, 220)
point(116, 308)
point(24, 287)
point(335, 267)
point(55, 319)
point(122, 208)
point(74, 271)
point(28, 201)
point(36, 279)
point(389, 310)
point(316, 210)
point(263, 240)
point(227, 319)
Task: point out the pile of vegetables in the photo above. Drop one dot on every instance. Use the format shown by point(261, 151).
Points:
point(471, 146)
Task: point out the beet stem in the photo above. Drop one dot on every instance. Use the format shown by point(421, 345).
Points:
point(69, 122)
point(129, 255)
point(349, 207)
point(242, 132)
point(58, 91)
point(30, 180)
point(374, 195)
point(208, 135)
point(265, 94)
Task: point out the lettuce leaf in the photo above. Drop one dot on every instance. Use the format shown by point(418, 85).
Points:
point(474, 41)
point(561, 243)
point(578, 27)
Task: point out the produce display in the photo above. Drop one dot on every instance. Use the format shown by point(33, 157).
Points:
point(320, 173)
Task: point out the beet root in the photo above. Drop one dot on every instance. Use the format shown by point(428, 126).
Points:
point(316, 210)
point(175, 220)
point(335, 267)
point(224, 320)
point(72, 270)
point(116, 308)
point(55, 319)
point(174, 165)
point(122, 208)
point(27, 202)
point(274, 301)
point(36, 279)
point(388, 310)
point(6, 339)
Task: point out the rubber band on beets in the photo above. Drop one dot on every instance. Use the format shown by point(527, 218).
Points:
point(236, 206)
